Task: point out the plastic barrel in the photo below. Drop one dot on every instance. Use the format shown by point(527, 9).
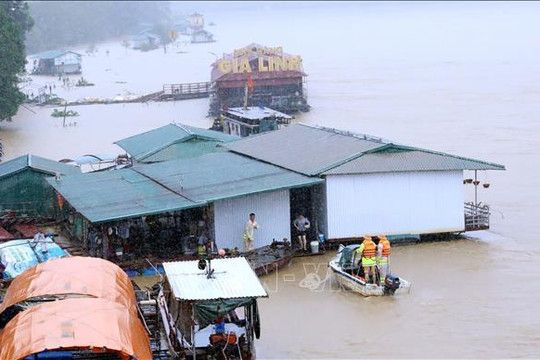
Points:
point(314, 247)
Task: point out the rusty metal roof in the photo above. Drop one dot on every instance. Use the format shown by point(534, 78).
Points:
point(233, 279)
point(98, 324)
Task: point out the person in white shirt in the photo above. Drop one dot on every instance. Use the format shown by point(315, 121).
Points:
point(301, 224)
point(249, 230)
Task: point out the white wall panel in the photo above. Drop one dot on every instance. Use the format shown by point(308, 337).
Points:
point(395, 203)
point(272, 213)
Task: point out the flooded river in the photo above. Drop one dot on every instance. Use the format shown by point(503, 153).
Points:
point(455, 77)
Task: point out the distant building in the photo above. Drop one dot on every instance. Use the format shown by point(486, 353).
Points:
point(57, 62)
point(277, 80)
point(23, 189)
point(201, 36)
point(144, 40)
point(196, 22)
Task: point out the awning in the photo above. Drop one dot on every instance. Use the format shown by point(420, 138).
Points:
point(75, 324)
point(233, 278)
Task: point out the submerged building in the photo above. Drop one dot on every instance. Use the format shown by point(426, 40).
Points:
point(260, 76)
point(57, 62)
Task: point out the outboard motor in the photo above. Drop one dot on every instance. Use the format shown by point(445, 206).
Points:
point(391, 284)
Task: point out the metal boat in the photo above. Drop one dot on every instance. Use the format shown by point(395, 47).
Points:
point(348, 274)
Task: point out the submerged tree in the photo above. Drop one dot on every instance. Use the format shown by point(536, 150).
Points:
point(15, 21)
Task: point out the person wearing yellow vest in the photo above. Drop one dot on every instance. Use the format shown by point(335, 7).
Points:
point(383, 251)
point(368, 251)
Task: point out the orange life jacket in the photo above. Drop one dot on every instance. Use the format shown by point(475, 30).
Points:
point(386, 247)
point(370, 249)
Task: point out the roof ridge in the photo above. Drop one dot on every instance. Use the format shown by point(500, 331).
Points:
point(359, 136)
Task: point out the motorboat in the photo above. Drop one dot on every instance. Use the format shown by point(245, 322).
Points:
point(349, 274)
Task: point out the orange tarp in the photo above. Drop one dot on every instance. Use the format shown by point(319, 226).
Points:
point(75, 275)
point(75, 324)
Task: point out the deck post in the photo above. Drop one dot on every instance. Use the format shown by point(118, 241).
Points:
point(476, 187)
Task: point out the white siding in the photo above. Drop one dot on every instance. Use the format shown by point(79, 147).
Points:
point(395, 203)
point(272, 213)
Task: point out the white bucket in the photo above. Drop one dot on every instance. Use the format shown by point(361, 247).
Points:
point(314, 247)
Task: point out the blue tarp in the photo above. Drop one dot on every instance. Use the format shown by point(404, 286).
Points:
point(18, 255)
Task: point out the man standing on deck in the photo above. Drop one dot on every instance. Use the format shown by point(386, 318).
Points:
point(368, 251)
point(249, 229)
point(383, 251)
point(301, 224)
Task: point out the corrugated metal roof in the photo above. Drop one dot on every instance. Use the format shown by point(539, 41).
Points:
point(233, 278)
point(305, 149)
point(171, 186)
point(144, 145)
point(187, 149)
point(256, 113)
point(119, 194)
point(37, 163)
point(52, 54)
point(409, 160)
point(223, 175)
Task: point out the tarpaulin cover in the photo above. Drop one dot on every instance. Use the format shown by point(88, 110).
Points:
point(75, 275)
point(208, 311)
point(75, 324)
point(17, 255)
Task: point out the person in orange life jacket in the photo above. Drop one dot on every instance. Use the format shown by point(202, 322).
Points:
point(383, 252)
point(368, 251)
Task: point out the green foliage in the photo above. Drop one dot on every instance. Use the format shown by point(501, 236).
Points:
point(62, 113)
point(14, 22)
point(68, 23)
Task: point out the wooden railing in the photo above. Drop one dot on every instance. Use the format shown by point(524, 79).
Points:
point(189, 88)
point(476, 216)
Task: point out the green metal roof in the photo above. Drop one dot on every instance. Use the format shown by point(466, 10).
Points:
point(394, 158)
point(187, 149)
point(173, 185)
point(314, 150)
point(144, 145)
point(52, 54)
point(37, 163)
point(305, 149)
point(118, 194)
point(223, 175)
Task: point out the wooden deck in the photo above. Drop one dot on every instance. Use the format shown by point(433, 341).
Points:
point(185, 91)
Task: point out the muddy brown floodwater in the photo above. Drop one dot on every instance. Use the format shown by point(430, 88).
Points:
point(455, 77)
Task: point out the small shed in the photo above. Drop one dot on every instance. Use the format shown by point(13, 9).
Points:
point(202, 36)
point(23, 188)
point(173, 141)
point(372, 185)
point(57, 62)
point(144, 41)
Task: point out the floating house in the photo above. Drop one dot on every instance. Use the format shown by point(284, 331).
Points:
point(173, 141)
point(24, 190)
point(160, 208)
point(372, 186)
point(251, 120)
point(272, 78)
point(57, 62)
